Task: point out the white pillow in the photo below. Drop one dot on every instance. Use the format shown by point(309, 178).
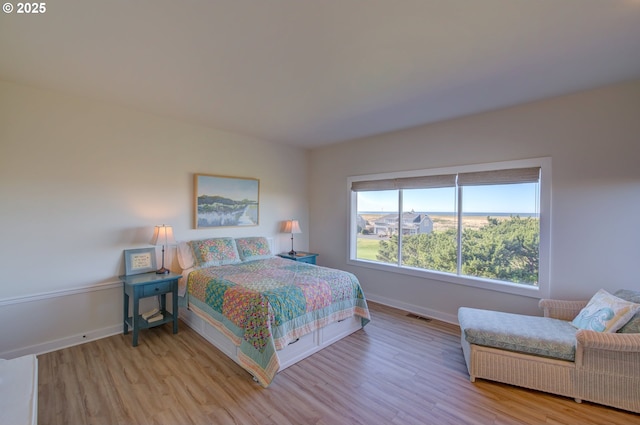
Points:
point(185, 256)
point(605, 313)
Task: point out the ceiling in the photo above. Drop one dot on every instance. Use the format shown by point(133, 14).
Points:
point(310, 73)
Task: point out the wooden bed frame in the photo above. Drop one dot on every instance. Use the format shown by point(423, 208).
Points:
point(291, 354)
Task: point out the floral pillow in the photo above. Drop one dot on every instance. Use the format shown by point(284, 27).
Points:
point(255, 248)
point(214, 252)
point(605, 313)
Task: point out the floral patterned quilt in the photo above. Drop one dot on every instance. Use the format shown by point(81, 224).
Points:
point(263, 305)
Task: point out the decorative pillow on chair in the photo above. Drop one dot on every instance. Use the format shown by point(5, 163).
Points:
point(633, 325)
point(605, 313)
point(214, 252)
point(255, 248)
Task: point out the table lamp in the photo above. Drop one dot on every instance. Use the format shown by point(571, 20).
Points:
point(291, 226)
point(163, 235)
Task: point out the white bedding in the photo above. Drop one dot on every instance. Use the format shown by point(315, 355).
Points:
point(19, 391)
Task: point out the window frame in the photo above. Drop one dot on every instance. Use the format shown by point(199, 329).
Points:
point(543, 288)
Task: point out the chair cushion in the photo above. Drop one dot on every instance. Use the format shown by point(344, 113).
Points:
point(633, 325)
point(542, 336)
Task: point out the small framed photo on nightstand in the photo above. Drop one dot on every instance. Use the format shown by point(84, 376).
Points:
point(140, 260)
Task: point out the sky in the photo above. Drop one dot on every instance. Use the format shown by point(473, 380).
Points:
point(228, 187)
point(511, 198)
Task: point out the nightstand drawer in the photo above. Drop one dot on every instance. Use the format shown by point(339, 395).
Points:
point(301, 257)
point(158, 288)
point(311, 259)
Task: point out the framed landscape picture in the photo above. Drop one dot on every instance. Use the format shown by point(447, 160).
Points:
point(222, 201)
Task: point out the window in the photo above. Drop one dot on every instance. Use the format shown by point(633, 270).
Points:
point(484, 225)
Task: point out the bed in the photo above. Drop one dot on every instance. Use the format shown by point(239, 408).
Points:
point(265, 312)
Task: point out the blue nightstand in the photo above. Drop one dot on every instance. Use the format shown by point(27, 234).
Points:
point(303, 257)
point(147, 285)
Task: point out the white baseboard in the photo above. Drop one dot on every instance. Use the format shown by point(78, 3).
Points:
point(411, 308)
point(59, 319)
point(94, 334)
point(65, 342)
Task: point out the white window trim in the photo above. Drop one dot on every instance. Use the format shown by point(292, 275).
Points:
point(543, 288)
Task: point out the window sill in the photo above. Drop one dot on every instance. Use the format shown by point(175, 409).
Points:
point(490, 285)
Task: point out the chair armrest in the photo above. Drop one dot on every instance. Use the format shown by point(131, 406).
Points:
point(608, 353)
point(561, 309)
point(610, 341)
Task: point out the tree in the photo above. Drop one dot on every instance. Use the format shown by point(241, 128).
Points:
point(506, 250)
point(434, 251)
point(388, 250)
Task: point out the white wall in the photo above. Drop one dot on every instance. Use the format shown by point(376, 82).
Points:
point(80, 181)
point(593, 139)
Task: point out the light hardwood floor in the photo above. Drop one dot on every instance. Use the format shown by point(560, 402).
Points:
point(398, 370)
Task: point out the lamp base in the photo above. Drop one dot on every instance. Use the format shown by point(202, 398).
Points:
point(163, 271)
point(292, 252)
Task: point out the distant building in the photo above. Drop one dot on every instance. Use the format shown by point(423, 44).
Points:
point(412, 224)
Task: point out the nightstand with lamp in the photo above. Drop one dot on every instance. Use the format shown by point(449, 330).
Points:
point(142, 280)
point(293, 227)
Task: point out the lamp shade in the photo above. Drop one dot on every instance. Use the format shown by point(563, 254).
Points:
point(291, 226)
point(163, 235)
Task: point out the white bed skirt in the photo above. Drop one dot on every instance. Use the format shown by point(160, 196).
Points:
point(19, 391)
point(291, 354)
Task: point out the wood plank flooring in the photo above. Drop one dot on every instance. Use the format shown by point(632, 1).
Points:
point(398, 370)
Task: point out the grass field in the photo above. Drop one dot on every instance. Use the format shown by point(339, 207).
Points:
point(367, 248)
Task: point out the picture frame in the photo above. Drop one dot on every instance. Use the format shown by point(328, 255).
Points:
point(139, 260)
point(224, 201)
